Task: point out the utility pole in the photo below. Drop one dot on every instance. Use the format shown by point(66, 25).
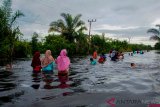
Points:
point(90, 24)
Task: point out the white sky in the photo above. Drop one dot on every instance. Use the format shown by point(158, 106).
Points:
point(121, 18)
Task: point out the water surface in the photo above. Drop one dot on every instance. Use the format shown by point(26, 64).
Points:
point(87, 86)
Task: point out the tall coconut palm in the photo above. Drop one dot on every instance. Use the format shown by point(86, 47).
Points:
point(69, 26)
point(9, 33)
point(156, 33)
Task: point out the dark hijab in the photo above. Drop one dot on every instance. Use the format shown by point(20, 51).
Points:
point(36, 60)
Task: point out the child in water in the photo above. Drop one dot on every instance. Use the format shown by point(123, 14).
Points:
point(92, 62)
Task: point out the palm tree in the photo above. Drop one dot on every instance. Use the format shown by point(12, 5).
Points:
point(9, 33)
point(156, 33)
point(69, 26)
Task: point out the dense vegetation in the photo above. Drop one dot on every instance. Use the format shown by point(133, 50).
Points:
point(71, 37)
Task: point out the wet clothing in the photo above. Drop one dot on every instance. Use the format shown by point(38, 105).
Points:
point(47, 62)
point(101, 60)
point(36, 63)
point(93, 62)
point(49, 68)
point(63, 61)
point(47, 59)
point(94, 55)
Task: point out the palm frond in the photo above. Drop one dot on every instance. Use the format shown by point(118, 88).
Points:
point(57, 26)
point(155, 37)
point(76, 19)
point(154, 31)
point(15, 16)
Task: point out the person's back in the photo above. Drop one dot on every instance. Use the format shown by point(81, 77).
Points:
point(102, 58)
point(36, 63)
point(94, 55)
point(63, 61)
point(47, 62)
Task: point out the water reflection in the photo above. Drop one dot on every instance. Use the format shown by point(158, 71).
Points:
point(36, 80)
point(109, 77)
point(62, 79)
point(48, 79)
point(6, 81)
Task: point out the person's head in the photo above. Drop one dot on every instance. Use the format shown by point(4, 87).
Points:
point(37, 54)
point(133, 65)
point(102, 54)
point(91, 59)
point(63, 52)
point(48, 53)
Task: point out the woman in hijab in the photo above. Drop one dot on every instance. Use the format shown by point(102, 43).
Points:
point(63, 61)
point(47, 62)
point(36, 63)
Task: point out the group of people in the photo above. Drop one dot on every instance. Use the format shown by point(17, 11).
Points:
point(136, 52)
point(48, 63)
point(101, 59)
point(115, 55)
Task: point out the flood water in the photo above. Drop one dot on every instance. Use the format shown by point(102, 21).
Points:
point(87, 85)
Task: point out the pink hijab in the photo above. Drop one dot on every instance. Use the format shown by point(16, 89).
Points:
point(63, 61)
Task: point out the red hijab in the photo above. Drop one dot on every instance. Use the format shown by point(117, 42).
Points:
point(36, 60)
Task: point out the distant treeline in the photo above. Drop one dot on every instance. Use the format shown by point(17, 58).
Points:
point(81, 46)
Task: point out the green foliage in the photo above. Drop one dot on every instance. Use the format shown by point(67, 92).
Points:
point(22, 49)
point(9, 33)
point(81, 44)
point(98, 43)
point(157, 45)
point(55, 44)
point(155, 32)
point(69, 26)
point(34, 42)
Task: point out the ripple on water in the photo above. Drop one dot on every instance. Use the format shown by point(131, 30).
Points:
point(110, 77)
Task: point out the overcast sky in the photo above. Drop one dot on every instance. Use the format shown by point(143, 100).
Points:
point(115, 18)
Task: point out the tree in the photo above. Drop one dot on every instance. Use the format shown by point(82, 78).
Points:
point(9, 32)
point(69, 26)
point(156, 33)
point(34, 42)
